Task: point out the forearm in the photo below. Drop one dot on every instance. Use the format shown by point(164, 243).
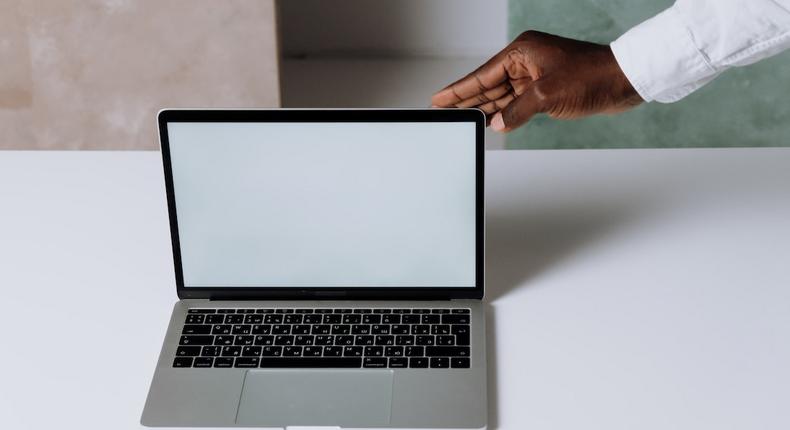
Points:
point(682, 48)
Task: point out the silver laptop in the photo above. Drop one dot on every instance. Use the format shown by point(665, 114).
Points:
point(329, 266)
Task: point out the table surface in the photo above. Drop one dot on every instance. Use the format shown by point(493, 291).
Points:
point(627, 289)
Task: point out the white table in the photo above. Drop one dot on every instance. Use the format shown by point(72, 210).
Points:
point(628, 289)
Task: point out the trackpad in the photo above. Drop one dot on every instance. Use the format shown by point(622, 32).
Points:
point(316, 397)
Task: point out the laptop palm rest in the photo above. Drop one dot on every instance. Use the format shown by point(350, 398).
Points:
point(316, 397)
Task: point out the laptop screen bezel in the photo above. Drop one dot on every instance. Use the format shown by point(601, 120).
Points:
point(475, 116)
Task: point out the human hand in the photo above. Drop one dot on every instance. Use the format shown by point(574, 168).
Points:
point(543, 73)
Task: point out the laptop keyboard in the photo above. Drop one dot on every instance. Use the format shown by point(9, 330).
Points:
point(351, 338)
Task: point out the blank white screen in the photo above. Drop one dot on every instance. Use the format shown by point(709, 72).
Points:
point(325, 204)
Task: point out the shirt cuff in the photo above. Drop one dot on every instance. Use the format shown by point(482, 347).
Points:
point(660, 59)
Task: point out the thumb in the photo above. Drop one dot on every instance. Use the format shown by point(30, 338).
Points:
point(516, 113)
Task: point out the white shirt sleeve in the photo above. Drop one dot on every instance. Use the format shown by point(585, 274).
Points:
point(684, 47)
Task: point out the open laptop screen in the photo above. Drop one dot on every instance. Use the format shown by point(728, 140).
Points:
point(322, 204)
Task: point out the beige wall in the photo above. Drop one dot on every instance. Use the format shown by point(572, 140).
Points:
point(91, 74)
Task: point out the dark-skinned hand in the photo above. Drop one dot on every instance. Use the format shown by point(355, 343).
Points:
point(543, 73)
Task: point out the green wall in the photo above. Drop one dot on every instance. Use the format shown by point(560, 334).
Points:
point(747, 106)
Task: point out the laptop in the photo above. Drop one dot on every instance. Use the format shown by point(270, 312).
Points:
point(329, 266)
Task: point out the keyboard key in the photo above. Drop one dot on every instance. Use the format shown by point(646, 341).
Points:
point(293, 319)
point(203, 362)
point(382, 311)
point(332, 319)
point(312, 351)
point(459, 362)
point(182, 362)
point(344, 340)
point(440, 329)
point(241, 329)
point(440, 362)
point(341, 329)
point(304, 311)
point(343, 311)
point(272, 319)
point(371, 319)
point(245, 311)
point(300, 329)
point(431, 319)
point(421, 329)
point(440, 311)
point(352, 351)
point(261, 329)
point(284, 311)
point(455, 319)
point(253, 319)
point(418, 362)
point(445, 340)
point(460, 311)
point(400, 329)
point(398, 362)
point(283, 340)
point(390, 319)
point(211, 351)
point(196, 329)
point(362, 311)
point(447, 351)
point(304, 340)
point(375, 362)
point(187, 351)
point(333, 351)
point(462, 339)
point(414, 351)
point(380, 329)
point(374, 351)
point(234, 319)
point(264, 340)
point(196, 340)
point(393, 351)
point(324, 340)
point(307, 362)
point(312, 319)
point(272, 351)
point(401, 311)
point(244, 340)
point(385, 340)
point(323, 311)
point(231, 351)
point(404, 340)
point(226, 311)
point(322, 329)
point(202, 311)
point(352, 319)
point(224, 340)
point(420, 311)
point(410, 319)
point(215, 319)
point(264, 311)
point(364, 340)
point(221, 329)
point(195, 319)
point(292, 351)
point(360, 329)
point(223, 362)
point(251, 351)
point(424, 340)
point(281, 329)
point(246, 362)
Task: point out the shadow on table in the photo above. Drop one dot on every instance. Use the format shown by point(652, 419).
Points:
point(521, 244)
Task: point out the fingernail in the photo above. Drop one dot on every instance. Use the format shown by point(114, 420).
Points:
point(497, 123)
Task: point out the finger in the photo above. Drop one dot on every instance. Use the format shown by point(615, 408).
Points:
point(486, 77)
point(517, 113)
point(498, 104)
point(485, 97)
